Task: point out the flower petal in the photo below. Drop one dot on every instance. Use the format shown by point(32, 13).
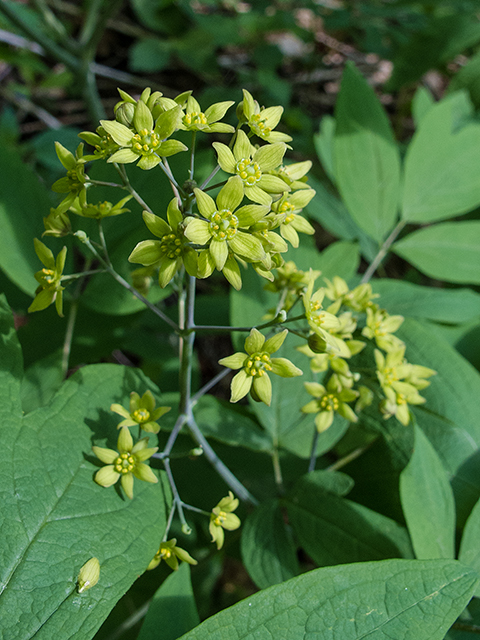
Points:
point(231, 194)
point(146, 252)
point(284, 368)
point(251, 213)
point(231, 271)
point(217, 111)
point(242, 148)
point(240, 386)
point(324, 420)
point(235, 361)
point(107, 476)
point(125, 440)
point(255, 194)
point(197, 231)
point(143, 118)
point(270, 156)
point(263, 388)
point(219, 252)
point(275, 342)
point(225, 156)
point(127, 484)
point(206, 205)
point(143, 472)
point(119, 132)
point(254, 342)
point(123, 156)
point(105, 455)
point(247, 246)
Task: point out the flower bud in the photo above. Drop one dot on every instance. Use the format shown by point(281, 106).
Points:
point(317, 344)
point(89, 575)
point(81, 235)
point(124, 114)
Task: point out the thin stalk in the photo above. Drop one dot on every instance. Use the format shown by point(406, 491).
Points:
point(277, 471)
point(187, 341)
point(72, 317)
point(235, 485)
point(313, 454)
point(169, 521)
point(192, 156)
point(350, 457)
point(126, 183)
point(103, 242)
point(210, 384)
point(210, 177)
point(190, 507)
point(182, 418)
point(383, 252)
point(215, 186)
point(219, 328)
point(82, 274)
point(129, 287)
point(101, 183)
point(176, 496)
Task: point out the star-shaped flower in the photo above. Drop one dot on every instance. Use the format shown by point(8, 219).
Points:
point(261, 121)
point(194, 119)
point(169, 552)
point(256, 364)
point(141, 411)
point(328, 401)
point(49, 279)
point(252, 165)
point(289, 206)
point(223, 518)
point(224, 227)
point(124, 464)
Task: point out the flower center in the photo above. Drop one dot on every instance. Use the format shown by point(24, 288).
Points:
point(288, 208)
point(166, 553)
point(145, 142)
point(105, 146)
point(223, 225)
point(390, 374)
point(248, 171)
point(258, 363)
point(141, 415)
point(48, 276)
point(258, 125)
point(316, 315)
point(194, 118)
point(329, 402)
point(171, 246)
point(75, 183)
point(124, 463)
point(220, 519)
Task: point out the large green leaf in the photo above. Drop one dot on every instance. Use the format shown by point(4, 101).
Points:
point(441, 165)
point(268, 550)
point(324, 141)
point(468, 77)
point(172, 609)
point(432, 303)
point(470, 545)
point(334, 530)
point(393, 599)
point(428, 503)
point(449, 251)
point(54, 517)
point(367, 161)
point(451, 416)
point(24, 201)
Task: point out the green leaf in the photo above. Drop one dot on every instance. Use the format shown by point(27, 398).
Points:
point(172, 609)
point(449, 251)
point(421, 104)
point(432, 303)
point(469, 547)
point(339, 259)
point(23, 200)
point(441, 176)
point(268, 550)
point(334, 530)
point(468, 77)
point(407, 599)
point(451, 416)
point(230, 424)
point(367, 161)
point(323, 141)
point(427, 502)
point(41, 380)
point(54, 517)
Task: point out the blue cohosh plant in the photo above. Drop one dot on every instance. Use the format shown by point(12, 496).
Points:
point(255, 209)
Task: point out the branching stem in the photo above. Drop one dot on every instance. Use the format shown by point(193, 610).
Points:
point(383, 252)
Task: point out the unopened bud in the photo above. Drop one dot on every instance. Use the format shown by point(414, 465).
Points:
point(186, 529)
point(89, 575)
point(317, 344)
point(197, 451)
point(81, 235)
point(124, 114)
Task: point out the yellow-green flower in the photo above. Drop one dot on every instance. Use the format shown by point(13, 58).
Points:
point(169, 253)
point(261, 121)
point(49, 279)
point(294, 175)
point(358, 299)
point(289, 206)
point(224, 227)
point(194, 119)
point(328, 401)
point(57, 224)
point(127, 462)
point(223, 518)
point(147, 141)
point(101, 141)
point(74, 182)
point(252, 165)
point(141, 411)
point(169, 552)
point(380, 327)
point(256, 364)
point(320, 321)
point(100, 210)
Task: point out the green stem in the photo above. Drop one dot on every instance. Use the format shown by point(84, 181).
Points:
point(209, 385)
point(176, 497)
point(72, 317)
point(277, 471)
point(126, 183)
point(313, 454)
point(82, 274)
point(383, 252)
point(103, 242)
point(192, 156)
point(353, 455)
point(129, 287)
point(221, 329)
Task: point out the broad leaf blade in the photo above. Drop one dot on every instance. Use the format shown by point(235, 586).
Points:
point(428, 503)
point(333, 530)
point(441, 165)
point(54, 517)
point(268, 551)
point(449, 251)
point(470, 545)
point(172, 609)
point(407, 599)
point(367, 161)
